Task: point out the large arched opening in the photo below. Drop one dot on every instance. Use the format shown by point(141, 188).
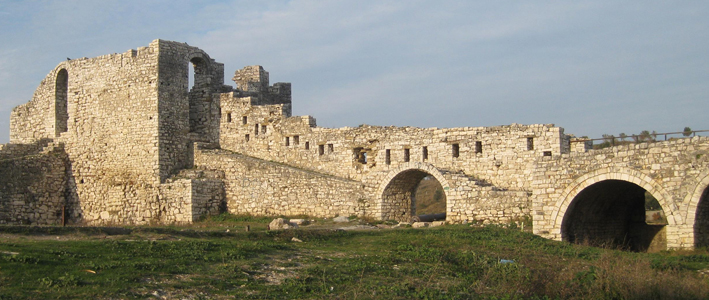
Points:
point(701, 221)
point(615, 213)
point(61, 111)
point(412, 193)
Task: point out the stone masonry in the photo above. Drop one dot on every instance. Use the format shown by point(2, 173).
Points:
point(125, 139)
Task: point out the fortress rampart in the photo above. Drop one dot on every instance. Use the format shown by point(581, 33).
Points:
point(129, 138)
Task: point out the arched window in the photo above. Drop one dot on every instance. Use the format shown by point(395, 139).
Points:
point(61, 112)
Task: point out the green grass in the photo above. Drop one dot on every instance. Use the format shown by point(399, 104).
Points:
point(451, 262)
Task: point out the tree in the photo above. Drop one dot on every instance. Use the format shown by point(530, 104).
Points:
point(437, 195)
point(644, 136)
point(687, 131)
point(622, 136)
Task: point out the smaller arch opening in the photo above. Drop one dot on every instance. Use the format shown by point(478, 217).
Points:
point(414, 195)
point(616, 214)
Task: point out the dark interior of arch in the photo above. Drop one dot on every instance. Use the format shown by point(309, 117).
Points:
point(429, 197)
point(198, 95)
point(61, 106)
point(701, 221)
point(611, 213)
point(399, 201)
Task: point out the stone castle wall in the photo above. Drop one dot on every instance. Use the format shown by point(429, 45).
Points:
point(257, 187)
point(127, 139)
point(123, 120)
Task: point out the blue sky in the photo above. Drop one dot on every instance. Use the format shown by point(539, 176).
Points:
point(592, 67)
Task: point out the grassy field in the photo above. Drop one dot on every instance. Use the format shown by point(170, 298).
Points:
point(204, 261)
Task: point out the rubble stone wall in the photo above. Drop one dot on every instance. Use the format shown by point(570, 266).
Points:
point(32, 189)
point(257, 187)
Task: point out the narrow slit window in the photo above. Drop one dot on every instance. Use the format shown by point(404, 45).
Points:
point(407, 155)
point(387, 157)
point(455, 149)
point(424, 153)
point(296, 140)
point(307, 145)
point(255, 129)
point(244, 120)
point(330, 148)
point(321, 149)
point(228, 117)
point(530, 143)
point(287, 141)
point(478, 147)
point(246, 137)
point(263, 129)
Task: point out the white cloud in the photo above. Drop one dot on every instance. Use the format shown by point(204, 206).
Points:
point(442, 63)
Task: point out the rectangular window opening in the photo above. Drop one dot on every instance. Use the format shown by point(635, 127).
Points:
point(547, 153)
point(228, 117)
point(246, 137)
point(478, 147)
point(424, 153)
point(407, 155)
point(530, 143)
point(387, 157)
point(287, 141)
point(307, 145)
point(244, 120)
point(296, 140)
point(456, 150)
point(321, 149)
point(330, 148)
point(255, 129)
point(263, 129)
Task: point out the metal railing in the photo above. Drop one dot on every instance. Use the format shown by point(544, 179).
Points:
point(640, 138)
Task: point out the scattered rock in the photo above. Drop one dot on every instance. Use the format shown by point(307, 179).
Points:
point(280, 224)
point(358, 227)
point(300, 222)
point(383, 226)
point(341, 219)
point(420, 224)
point(438, 223)
point(297, 240)
point(403, 224)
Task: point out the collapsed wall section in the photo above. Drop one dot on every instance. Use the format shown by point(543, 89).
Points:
point(187, 114)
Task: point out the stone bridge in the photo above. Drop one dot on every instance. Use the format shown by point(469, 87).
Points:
point(598, 196)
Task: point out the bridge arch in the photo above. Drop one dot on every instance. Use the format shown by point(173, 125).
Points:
point(697, 214)
point(395, 193)
point(616, 195)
